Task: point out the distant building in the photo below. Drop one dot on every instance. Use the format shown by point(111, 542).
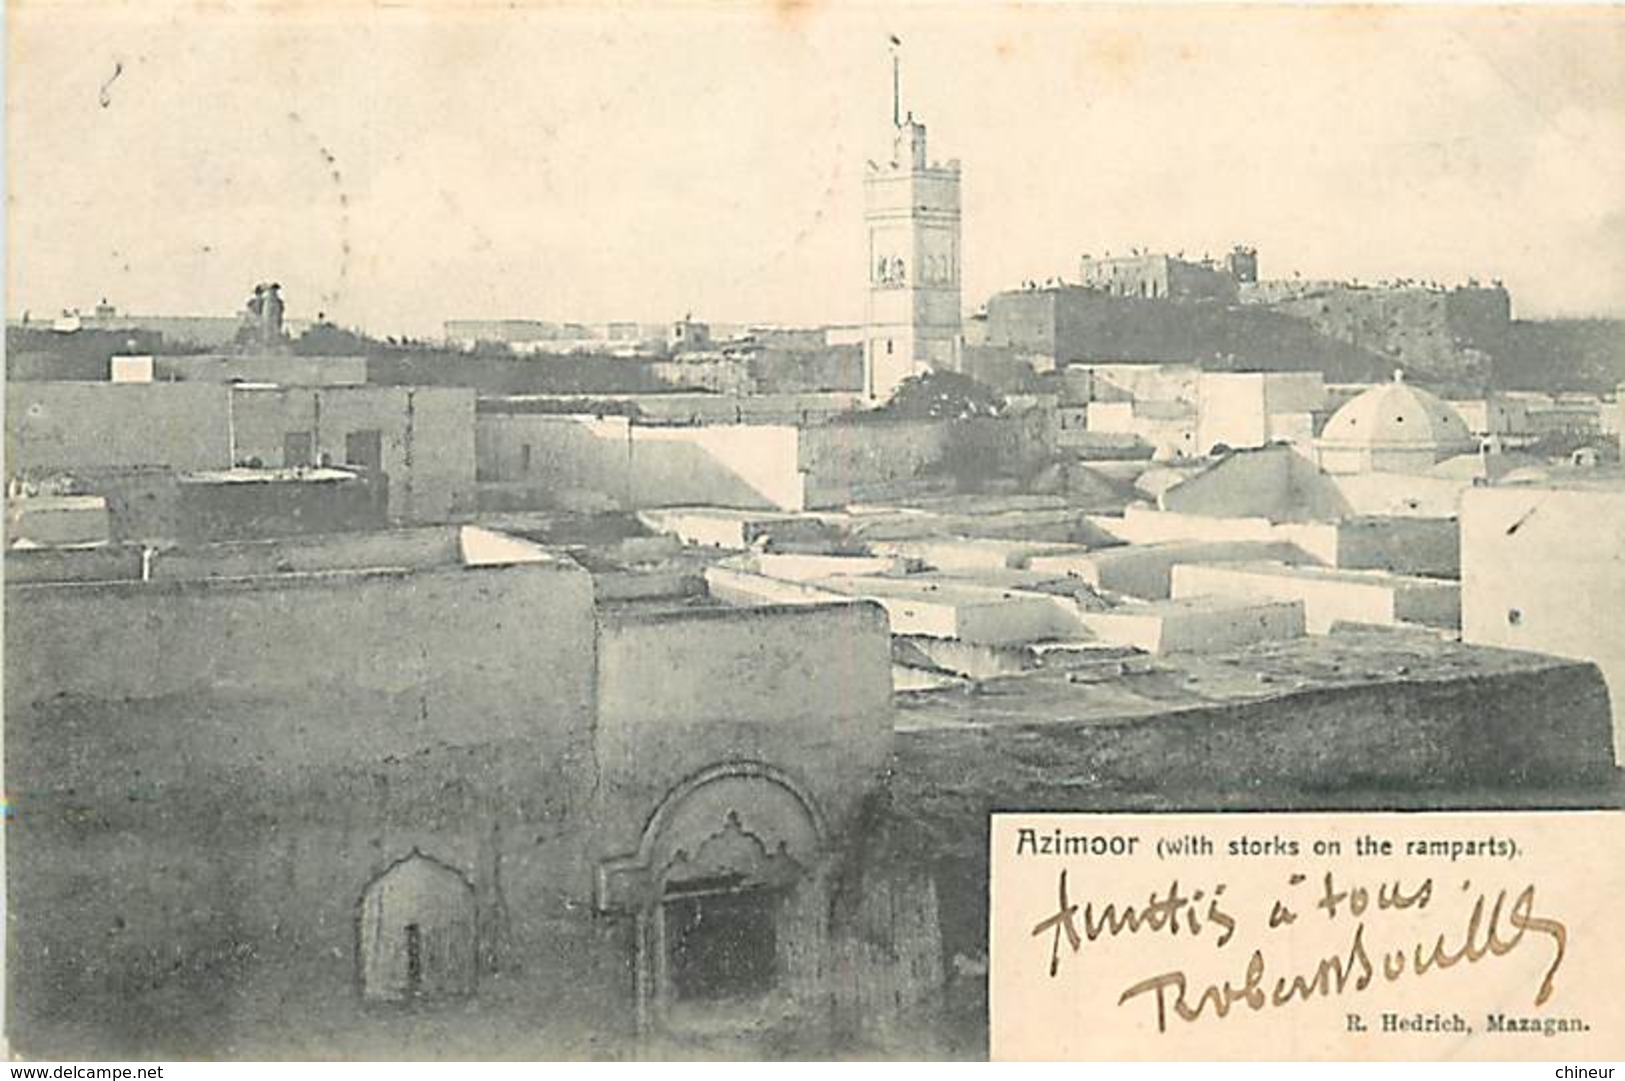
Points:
point(1566, 414)
point(1167, 277)
point(1242, 263)
point(687, 333)
point(912, 217)
point(543, 336)
point(1495, 415)
point(467, 333)
point(1396, 428)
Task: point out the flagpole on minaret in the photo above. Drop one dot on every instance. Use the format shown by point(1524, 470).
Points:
point(896, 82)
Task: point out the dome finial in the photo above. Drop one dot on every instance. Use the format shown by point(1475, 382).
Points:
point(1399, 375)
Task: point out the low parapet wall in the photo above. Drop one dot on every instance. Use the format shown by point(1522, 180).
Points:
point(543, 458)
point(1365, 718)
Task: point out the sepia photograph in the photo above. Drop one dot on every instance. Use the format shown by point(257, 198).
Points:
point(796, 530)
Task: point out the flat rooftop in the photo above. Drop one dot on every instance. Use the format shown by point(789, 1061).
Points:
point(268, 562)
point(1131, 689)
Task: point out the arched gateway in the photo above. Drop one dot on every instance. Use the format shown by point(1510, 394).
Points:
point(728, 897)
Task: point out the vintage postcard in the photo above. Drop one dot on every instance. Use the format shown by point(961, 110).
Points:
point(813, 531)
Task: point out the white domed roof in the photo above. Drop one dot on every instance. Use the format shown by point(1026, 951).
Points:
point(1398, 416)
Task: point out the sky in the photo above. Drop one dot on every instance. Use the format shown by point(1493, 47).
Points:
point(398, 166)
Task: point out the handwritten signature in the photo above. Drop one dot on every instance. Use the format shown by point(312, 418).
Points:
point(1493, 929)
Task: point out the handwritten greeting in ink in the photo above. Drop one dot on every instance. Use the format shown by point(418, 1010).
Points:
point(1290, 936)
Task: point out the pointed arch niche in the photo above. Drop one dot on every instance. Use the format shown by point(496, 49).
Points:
point(416, 932)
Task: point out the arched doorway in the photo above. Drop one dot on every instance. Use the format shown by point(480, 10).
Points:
point(728, 894)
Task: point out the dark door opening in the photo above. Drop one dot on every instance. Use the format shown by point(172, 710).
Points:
point(298, 450)
point(414, 960)
point(722, 945)
point(365, 450)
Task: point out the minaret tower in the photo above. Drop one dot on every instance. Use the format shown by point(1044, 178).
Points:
point(911, 211)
